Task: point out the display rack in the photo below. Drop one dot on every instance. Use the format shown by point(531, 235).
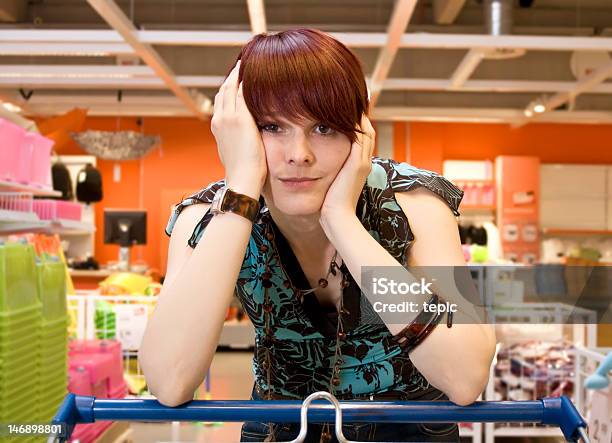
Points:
point(6, 186)
point(517, 375)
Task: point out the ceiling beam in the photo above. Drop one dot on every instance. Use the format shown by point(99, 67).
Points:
point(590, 81)
point(466, 67)
point(62, 49)
point(143, 77)
point(170, 106)
point(446, 11)
point(351, 39)
point(485, 115)
point(257, 16)
point(584, 85)
point(84, 71)
point(400, 17)
point(115, 17)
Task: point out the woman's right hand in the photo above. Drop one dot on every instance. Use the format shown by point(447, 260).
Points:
point(239, 142)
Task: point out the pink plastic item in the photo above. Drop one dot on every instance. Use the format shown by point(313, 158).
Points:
point(12, 139)
point(68, 210)
point(99, 367)
point(112, 347)
point(41, 161)
point(45, 209)
point(78, 382)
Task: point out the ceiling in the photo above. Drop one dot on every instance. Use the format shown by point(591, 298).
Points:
point(424, 60)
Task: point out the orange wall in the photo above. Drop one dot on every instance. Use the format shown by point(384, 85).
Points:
point(187, 161)
point(432, 143)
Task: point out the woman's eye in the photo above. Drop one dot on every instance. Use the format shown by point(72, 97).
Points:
point(269, 127)
point(325, 130)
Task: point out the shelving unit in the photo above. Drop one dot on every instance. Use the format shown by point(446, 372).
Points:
point(18, 187)
point(577, 232)
point(19, 221)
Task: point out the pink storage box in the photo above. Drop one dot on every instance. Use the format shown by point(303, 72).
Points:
point(112, 347)
point(78, 382)
point(118, 391)
point(88, 433)
point(48, 209)
point(99, 368)
point(45, 209)
point(14, 158)
point(41, 160)
point(68, 210)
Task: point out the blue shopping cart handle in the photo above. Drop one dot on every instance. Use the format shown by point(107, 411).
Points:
point(551, 411)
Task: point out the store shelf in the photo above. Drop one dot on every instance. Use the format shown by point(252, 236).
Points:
point(237, 334)
point(19, 221)
point(580, 232)
point(72, 227)
point(90, 272)
point(463, 208)
point(18, 187)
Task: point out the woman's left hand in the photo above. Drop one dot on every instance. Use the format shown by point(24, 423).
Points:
point(344, 192)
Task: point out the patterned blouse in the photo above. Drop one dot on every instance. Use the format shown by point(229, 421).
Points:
point(303, 334)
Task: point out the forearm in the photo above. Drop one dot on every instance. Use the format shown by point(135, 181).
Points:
point(450, 358)
point(183, 332)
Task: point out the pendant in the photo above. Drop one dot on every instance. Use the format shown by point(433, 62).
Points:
point(325, 437)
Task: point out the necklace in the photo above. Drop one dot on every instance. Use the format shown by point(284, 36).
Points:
point(269, 339)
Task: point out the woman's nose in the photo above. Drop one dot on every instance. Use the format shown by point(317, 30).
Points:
point(299, 152)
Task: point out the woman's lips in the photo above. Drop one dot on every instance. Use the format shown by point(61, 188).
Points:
point(298, 183)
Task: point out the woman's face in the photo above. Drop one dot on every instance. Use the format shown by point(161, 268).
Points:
point(304, 150)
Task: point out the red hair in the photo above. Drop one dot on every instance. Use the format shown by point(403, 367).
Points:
point(304, 73)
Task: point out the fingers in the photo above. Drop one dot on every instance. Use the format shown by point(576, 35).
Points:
point(367, 139)
point(240, 103)
point(221, 99)
point(230, 87)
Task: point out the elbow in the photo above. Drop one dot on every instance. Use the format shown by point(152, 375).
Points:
point(162, 386)
point(467, 393)
point(468, 388)
point(171, 399)
point(171, 394)
point(463, 397)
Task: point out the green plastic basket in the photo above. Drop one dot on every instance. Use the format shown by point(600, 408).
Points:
point(18, 282)
point(21, 318)
point(11, 350)
point(52, 289)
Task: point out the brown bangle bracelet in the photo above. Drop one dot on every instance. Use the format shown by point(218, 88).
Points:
point(419, 328)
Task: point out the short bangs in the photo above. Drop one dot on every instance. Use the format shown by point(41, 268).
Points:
point(304, 73)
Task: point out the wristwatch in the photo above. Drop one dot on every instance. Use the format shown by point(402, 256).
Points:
point(226, 200)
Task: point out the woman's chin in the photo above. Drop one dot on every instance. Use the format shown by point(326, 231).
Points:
point(299, 206)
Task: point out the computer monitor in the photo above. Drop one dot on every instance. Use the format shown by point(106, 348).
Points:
point(125, 228)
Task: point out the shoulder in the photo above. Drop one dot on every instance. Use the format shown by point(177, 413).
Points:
point(402, 178)
point(198, 203)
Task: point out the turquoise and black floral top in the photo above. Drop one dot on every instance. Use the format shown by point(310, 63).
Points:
point(301, 339)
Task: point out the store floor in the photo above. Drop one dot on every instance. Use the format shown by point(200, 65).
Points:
point(231, 379)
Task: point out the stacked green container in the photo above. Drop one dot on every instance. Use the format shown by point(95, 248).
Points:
point(53, 378)
point(20, 335)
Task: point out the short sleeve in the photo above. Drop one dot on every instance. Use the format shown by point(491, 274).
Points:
point(205, 195)
point(390, 224)
point(404, 177)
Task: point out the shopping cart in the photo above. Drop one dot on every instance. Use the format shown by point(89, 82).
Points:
point(557, 411)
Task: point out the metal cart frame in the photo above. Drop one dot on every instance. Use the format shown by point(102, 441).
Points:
point(550, 411)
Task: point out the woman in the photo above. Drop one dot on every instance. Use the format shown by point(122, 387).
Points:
point(308, 207)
